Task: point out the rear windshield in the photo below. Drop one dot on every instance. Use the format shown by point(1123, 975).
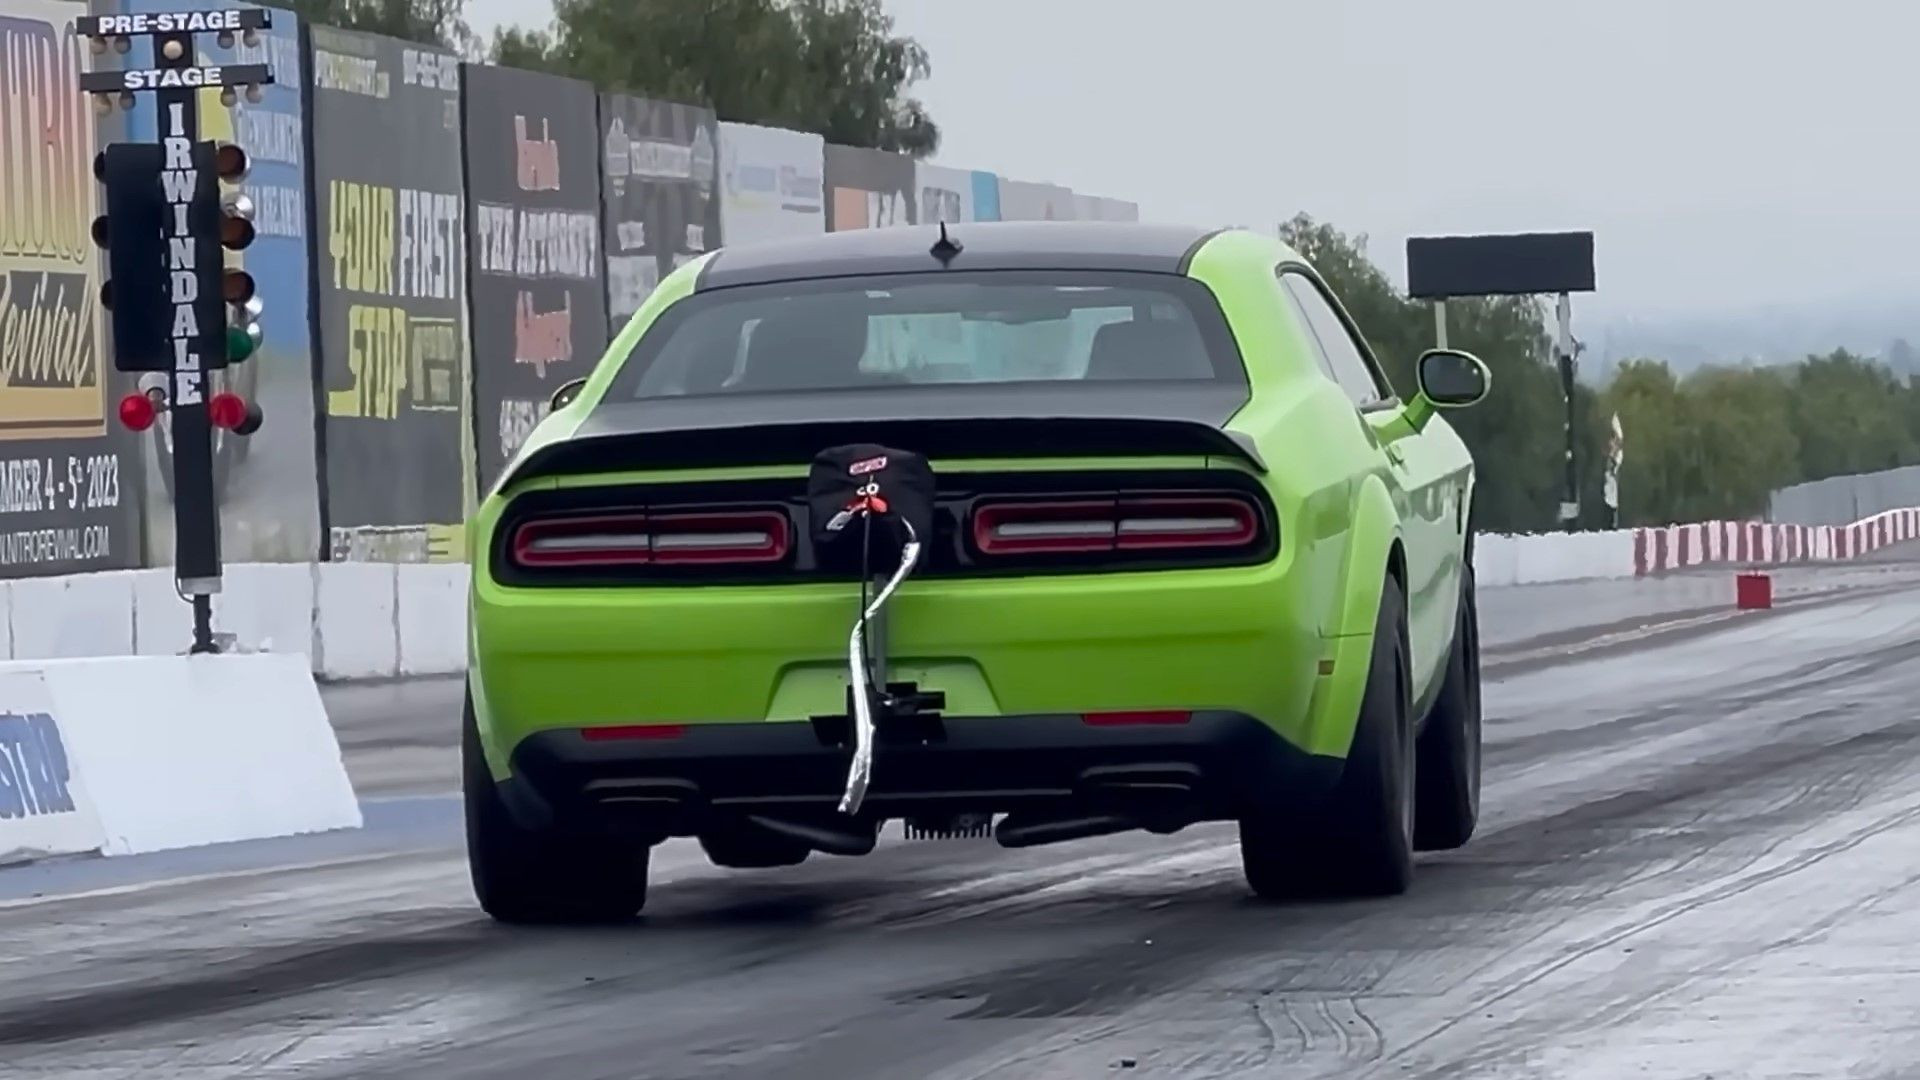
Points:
point(933, 329)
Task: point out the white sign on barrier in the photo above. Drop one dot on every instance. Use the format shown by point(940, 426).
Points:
point(44, 808)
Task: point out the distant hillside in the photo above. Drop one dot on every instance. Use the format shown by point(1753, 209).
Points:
point(1886, 330)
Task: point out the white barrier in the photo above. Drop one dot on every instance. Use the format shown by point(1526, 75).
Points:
point(1534, 558)
point(128, 754)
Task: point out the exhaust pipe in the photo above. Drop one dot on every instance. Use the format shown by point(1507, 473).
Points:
point(1015, 832)
point(833, 841)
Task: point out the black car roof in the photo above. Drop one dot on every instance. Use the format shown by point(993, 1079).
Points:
point(984, 245)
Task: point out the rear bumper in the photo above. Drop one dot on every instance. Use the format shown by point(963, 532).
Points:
point(1246, 640)
point(1209, 768)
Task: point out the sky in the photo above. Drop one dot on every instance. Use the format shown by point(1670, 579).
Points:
point(1727, 154)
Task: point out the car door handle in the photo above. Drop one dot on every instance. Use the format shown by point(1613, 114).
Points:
point(1393, 454)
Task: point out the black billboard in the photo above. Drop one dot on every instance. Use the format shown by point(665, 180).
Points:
point(869, 189)
point(533, 212)
point(69, 475)
point(661, 169)
point(391, 288)
point(1499, 265)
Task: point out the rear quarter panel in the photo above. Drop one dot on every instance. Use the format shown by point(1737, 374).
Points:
point(1339, 517)
point(1318, 449)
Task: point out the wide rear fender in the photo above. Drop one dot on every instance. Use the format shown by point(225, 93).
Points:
point(1374, 548)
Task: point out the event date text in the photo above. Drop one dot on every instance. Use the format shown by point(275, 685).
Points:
point(40, 485)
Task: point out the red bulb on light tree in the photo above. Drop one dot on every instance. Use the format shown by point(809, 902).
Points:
point(137, 412)
point(226, 409)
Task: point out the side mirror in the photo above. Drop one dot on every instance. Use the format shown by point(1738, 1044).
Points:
point(567, 391)
point(1449, 379)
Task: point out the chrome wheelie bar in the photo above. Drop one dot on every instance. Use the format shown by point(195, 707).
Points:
point(860, 771)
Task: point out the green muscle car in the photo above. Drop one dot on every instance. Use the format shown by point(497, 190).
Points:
point(1141, 538)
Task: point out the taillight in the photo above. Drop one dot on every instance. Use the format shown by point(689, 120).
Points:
point(673, 539)
point(1020, 528)
point(1143, 523)
point(754, 537)
point(1187, 523)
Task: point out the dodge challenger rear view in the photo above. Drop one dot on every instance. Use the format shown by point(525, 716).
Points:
point(1044, 530)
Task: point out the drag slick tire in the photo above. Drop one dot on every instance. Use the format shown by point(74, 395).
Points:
point(1358, 840)
point(1447, 755)
point(528, 876)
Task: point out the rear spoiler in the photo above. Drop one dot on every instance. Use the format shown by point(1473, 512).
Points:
point(795, 443)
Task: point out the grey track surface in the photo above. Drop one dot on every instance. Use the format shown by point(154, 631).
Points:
point(1699, 858)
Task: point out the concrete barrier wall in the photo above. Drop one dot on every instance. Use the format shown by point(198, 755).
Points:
point(122, 755)
point(385, 620)
point(1839, 500)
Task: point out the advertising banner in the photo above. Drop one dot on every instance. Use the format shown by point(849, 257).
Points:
point(660, 180)
point(69, 480)
point(771, 185)
point(869, 189)
point(44, 808)
point(945, 194)
point(267, 483)
point(1024, 201)
point(533, 193)
point(389, 198)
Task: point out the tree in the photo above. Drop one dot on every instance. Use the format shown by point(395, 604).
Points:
point(1849, 416)
point(429, 22)
point(832, 67)
point(1742, 445)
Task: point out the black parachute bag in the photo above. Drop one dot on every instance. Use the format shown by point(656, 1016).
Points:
point(865, 502)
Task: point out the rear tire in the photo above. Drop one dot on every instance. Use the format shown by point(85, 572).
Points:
point(1447, 757)
point(540, 876)
point(1358, 841)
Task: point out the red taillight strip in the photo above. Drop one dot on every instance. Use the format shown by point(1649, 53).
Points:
point(1136, 718)
point(1128, 524)
point(705, 538)
point(633, 731)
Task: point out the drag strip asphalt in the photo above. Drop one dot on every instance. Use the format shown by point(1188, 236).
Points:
point(1699, 856)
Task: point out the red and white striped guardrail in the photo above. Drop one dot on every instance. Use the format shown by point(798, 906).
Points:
point(1758, 543)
